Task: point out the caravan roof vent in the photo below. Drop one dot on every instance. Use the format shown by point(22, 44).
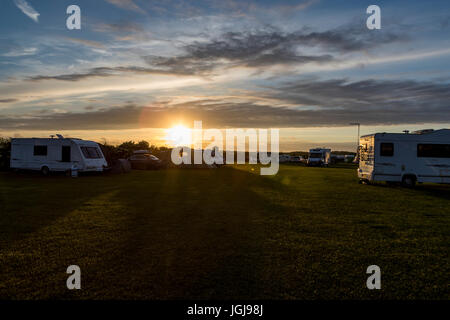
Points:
point(424, 131)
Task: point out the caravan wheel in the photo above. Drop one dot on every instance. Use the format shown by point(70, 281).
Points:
point(45, 171)
point(364, 181)
point(409, 181)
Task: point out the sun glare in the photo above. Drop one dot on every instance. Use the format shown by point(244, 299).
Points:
point(179, 136)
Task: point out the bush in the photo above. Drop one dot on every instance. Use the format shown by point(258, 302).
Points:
point(126, 149)
point(5, 153)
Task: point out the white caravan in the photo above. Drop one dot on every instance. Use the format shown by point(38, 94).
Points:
point(421, 156)
point(319, 157)
point(56, 154)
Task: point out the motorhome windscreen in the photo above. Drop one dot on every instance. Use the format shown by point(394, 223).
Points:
point(315, 155)
point(91, 153)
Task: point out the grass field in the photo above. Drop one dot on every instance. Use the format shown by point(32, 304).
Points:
point(305, 233)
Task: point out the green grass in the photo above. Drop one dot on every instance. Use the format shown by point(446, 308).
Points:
point(305, 233)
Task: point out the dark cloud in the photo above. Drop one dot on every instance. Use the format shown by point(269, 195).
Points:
point(256, 49)
point(315, 103)
point(249, 52)
point(183, 65)
point(272, 47)
point(347, 38)
point(7, 100)
point(95, 72)
point(100, 72)
point(366, 95)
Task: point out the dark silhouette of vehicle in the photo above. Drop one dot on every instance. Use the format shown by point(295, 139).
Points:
point(143, 160)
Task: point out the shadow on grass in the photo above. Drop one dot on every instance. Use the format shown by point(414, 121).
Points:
point(434, 190)
point(211, 234)
point(192, 237)
point(30, 201)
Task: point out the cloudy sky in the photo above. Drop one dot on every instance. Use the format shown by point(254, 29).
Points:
point(308, 67)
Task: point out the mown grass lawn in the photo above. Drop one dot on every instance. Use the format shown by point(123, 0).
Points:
point(305, 233)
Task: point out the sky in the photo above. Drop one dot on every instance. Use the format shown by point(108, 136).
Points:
point(307, 67)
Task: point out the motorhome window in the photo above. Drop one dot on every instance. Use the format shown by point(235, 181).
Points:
point(386, 149)
point(433, 150)
point(315, 155)
point(91, 152)
point(40, 150)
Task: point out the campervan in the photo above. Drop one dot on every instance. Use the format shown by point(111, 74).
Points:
point(421, 156)
point(319, 157)
point(56, 154)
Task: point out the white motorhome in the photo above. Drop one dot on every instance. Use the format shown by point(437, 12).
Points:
point(421, 156)
point(319, 157)
point(56, 154)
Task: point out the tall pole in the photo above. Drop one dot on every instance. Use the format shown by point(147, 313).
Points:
point(357, 141)
point(359, 126)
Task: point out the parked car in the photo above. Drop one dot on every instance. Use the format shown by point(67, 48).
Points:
point(296, 159)
point(284, 158)
point(143, 160)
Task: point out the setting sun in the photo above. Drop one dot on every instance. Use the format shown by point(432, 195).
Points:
point(179, 136)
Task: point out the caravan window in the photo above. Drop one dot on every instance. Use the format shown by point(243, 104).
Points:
point(91, 153)
point(433, 150)
point(40, 150)
point(386, 149)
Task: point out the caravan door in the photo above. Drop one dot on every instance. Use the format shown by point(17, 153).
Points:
point(65, 154)
point(386, 166)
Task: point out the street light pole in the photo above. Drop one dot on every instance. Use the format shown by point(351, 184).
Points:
point(359, 125)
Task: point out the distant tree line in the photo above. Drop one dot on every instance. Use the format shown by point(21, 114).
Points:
point(124, 150)
point(5, 153)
